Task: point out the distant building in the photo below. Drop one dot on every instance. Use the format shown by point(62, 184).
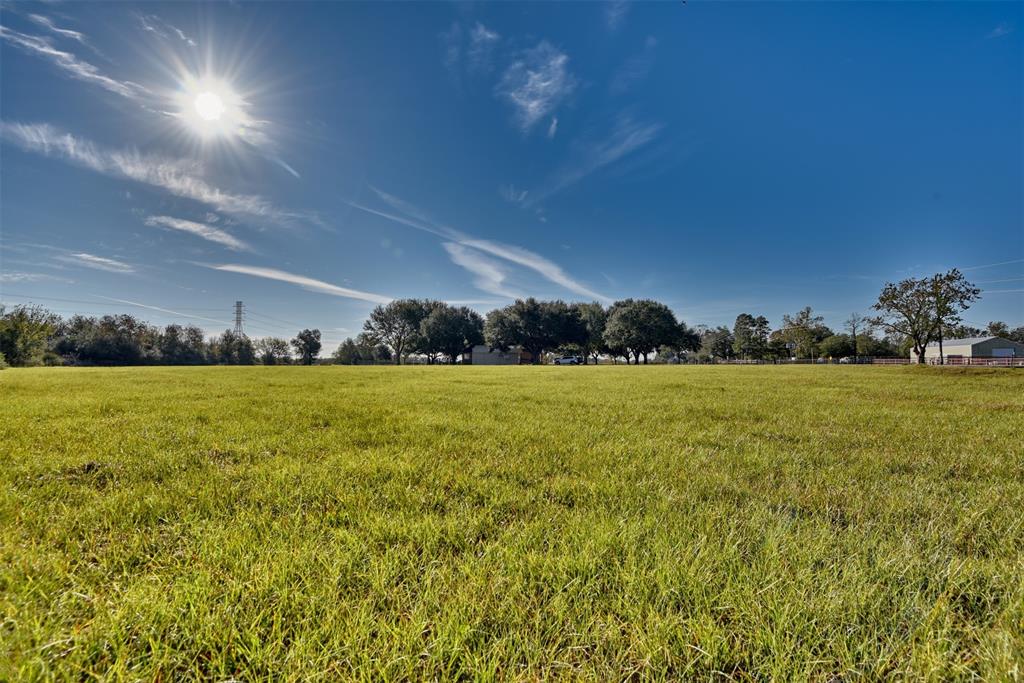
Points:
point(485, 355)
point(973, 347)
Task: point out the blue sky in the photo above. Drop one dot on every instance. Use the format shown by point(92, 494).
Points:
point(315, 159)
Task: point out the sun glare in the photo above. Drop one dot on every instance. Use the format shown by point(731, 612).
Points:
point(209, 106)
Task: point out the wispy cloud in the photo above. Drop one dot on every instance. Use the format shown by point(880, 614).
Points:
point(635, 69)
point(451, 40)
point(48, 24)
point(537, 263)
point(490, 276)
point(512, 194)
point(18, 276)
point(1005, 279)
point(96, 262)
point(178, 177)
point(536, 84)
point(615, 12)
point(471, 50)
point(207, 232)
point(991, 265)
point(307, 283)
point(552, 127)
point(625, 137)
point(71, 65)
point(482, 41)
point(249, 129)
point(157, 26)
point(407, 214)
point(1003, 29)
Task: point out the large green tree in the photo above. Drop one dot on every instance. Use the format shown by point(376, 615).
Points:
point(716, 343)
point(182, 345)
point(24, 334)
point(108, 340)
point(594, 317)
point(362, 349)
point(836, 346)
point(397, 324)
point(307, 346)
point(639, 327)
point(804, 331)
point(347, 353)
point(750, 336)
point(232, 349)
point(450, 331)
point(535, 326)
point(273, 351)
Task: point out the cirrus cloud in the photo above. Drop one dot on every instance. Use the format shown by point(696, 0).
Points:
point(96, 262)
point(207, 232)
point(488, 272)
point(307, 283)
point(71, 65)
point(180, 178)
point(536, 84)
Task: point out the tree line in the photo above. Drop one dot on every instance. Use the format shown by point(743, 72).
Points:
point(32, 335)
point(909, 314)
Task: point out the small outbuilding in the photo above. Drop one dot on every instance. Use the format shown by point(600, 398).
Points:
point(973, 347)
point(485, 355)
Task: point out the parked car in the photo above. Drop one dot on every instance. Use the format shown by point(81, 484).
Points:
point(568, 360)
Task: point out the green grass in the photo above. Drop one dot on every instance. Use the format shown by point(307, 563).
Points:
point(749, 523)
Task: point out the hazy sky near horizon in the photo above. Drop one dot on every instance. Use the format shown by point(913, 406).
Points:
point(313, 160)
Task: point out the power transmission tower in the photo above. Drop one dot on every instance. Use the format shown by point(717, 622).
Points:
point(238, 319)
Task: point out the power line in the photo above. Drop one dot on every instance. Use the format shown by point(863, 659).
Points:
point(267, 323)
point(264, 329)
point(260, 325)
point(270, 317)
point(69, 301)
point(88, 312)
point(100, 303)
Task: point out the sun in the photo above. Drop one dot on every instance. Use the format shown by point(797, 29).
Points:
point(210, 108)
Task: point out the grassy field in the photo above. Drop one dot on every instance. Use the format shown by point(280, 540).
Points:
point(324, 523)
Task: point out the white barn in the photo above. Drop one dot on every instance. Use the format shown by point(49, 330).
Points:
point(974, 347)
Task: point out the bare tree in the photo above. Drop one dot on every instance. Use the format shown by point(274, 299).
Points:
point(857, 323)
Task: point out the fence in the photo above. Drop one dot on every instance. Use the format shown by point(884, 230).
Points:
point(868, 360)
point(987, 362)
point(860, 360)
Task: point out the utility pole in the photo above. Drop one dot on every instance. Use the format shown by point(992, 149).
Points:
point(238, 319)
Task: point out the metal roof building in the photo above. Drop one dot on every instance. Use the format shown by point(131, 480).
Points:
point(975, 347)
